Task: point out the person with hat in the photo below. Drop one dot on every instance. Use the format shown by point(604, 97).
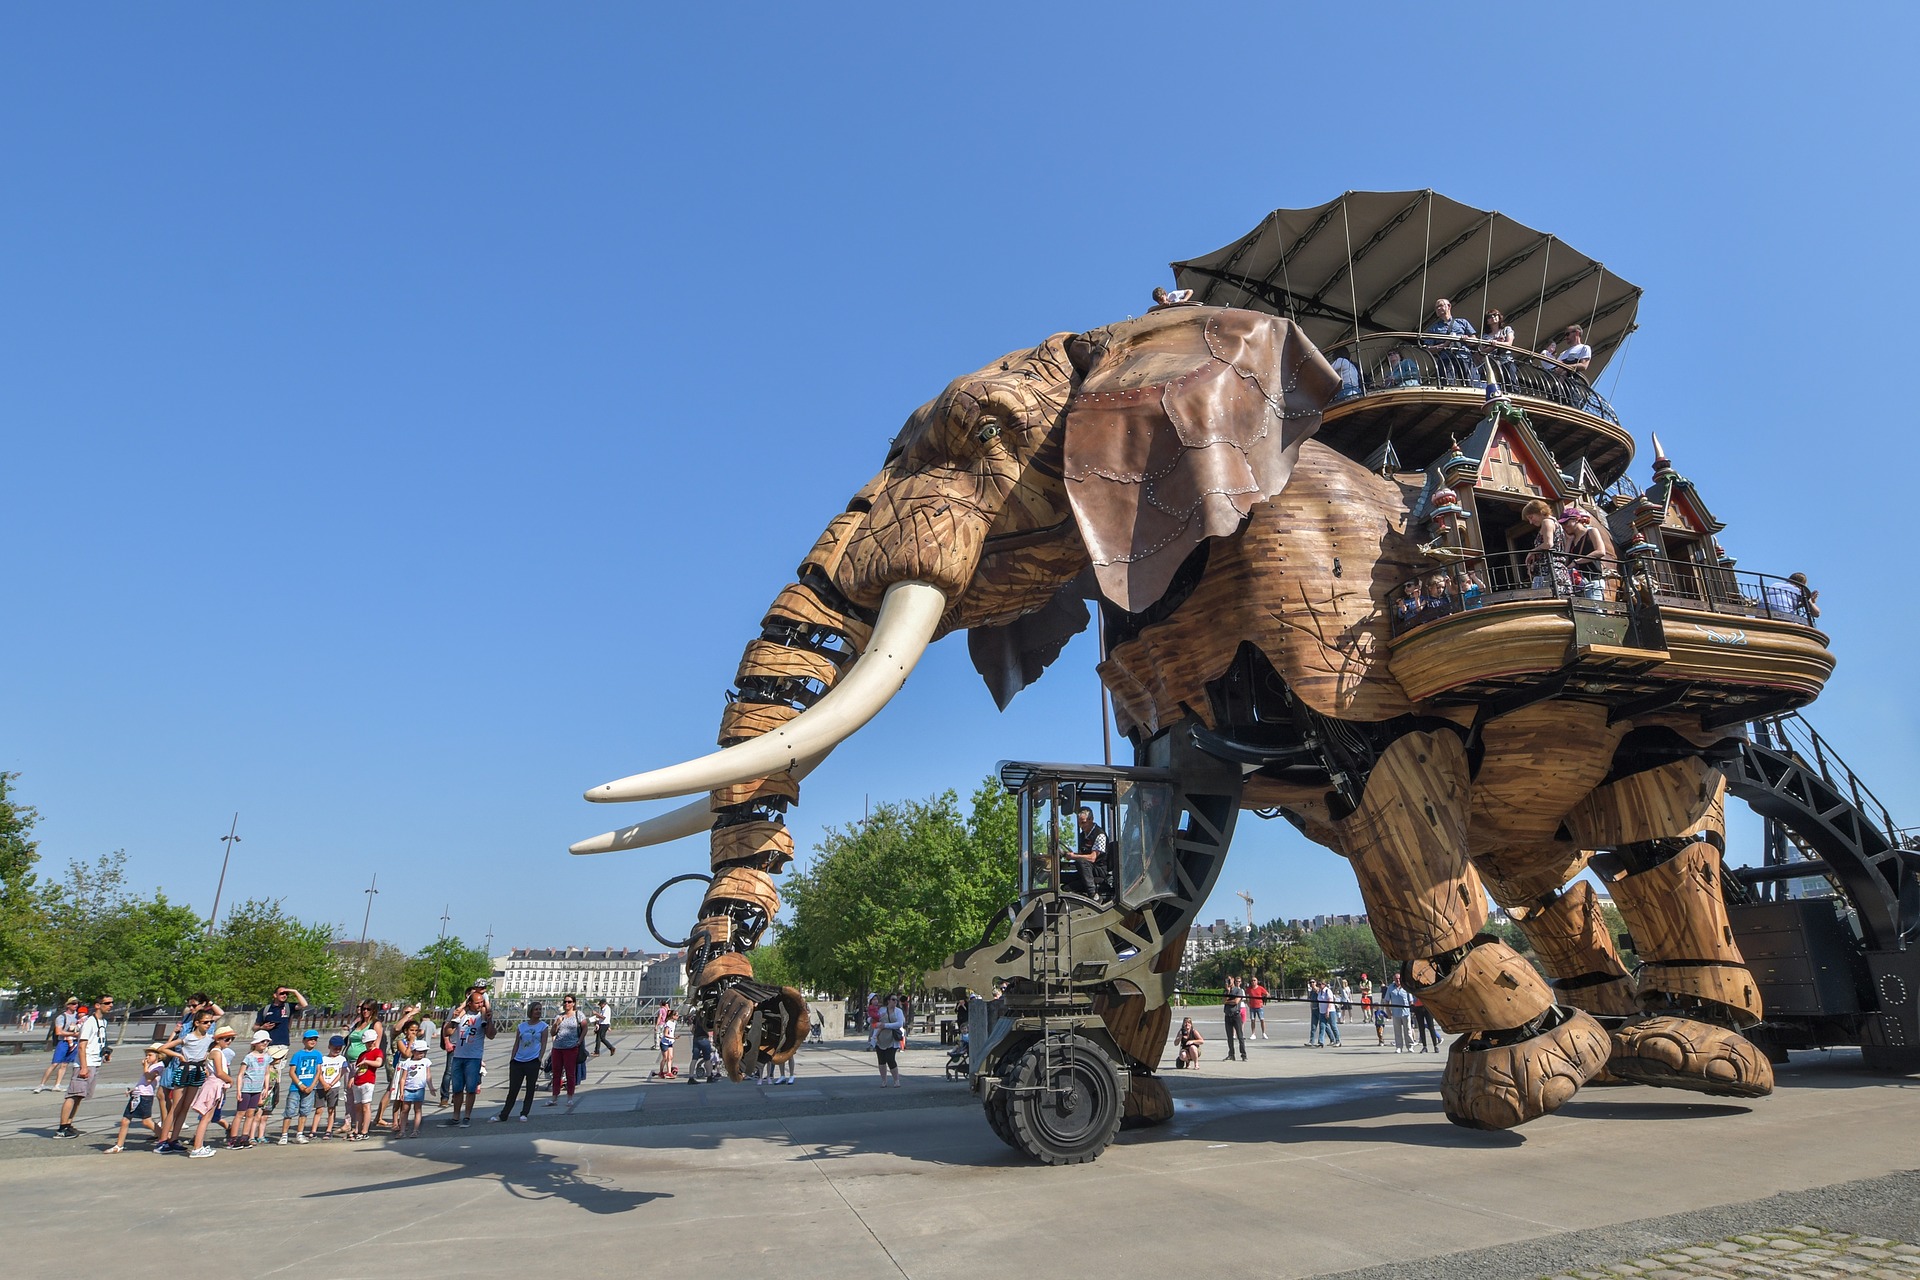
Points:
point(140, 1095)
point(328, 1085)
point(90, 1054)
point(65, 1023)
point(277, 1018)
point(253, 1083)
point(303, 1071)
point(206, 1099)
point(468, 1032)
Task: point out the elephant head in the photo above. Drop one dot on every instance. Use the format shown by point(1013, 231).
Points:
point(1094, 463)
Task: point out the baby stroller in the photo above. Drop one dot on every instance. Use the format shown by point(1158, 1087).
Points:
point(958, 1067)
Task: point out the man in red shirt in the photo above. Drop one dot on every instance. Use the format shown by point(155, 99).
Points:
point(1256, 1009)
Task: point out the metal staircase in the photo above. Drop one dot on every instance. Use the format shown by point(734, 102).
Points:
point(1827, 977)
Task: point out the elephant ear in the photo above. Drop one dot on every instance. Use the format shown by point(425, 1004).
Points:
point(1184, 419)
point(1011, 656)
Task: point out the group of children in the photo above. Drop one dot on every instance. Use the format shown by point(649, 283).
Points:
point(188, 1078)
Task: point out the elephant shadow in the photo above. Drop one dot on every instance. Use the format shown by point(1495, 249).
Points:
point(517, 1164)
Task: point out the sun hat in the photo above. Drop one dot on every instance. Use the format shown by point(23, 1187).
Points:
point(228, 1032)
point(261, 1037)
point(419, 1046)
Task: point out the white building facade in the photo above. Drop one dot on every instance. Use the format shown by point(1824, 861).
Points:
point(622, 975)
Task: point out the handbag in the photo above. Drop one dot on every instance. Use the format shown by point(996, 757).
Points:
point(193, 1074)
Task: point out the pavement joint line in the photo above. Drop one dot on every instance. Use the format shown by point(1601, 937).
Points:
point(807, 1154)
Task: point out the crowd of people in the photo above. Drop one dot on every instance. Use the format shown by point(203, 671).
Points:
point(374, 1076)
point(1463, 356)
point(1331, 1003)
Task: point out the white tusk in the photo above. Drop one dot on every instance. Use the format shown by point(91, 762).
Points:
point(677, 824)
point(909, 613)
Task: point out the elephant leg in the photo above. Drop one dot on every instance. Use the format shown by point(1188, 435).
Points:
point(805, 642)
point(1569, 934)
point(1140, 1028)
point(1519, 1055)
point(1696, 993)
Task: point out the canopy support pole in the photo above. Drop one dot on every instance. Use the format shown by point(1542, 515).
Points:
point(1486, 281)
point(1541, 306)
point(1353, 288)
point(1426, 255)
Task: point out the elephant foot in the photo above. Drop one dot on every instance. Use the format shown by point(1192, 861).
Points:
point(1490, 1084)
point(1681, 1053)
point(1147, 1103)
point(755, 1023)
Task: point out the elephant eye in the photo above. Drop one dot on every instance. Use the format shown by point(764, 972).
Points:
point(989, 429)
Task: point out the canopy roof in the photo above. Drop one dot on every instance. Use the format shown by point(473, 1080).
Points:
point(1386, 255)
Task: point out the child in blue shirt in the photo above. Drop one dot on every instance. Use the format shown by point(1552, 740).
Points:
point(303, 1071)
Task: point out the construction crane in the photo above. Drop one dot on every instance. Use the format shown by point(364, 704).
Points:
point(1247, 898)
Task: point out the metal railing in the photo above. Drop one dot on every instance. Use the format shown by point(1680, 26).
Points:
point(1793, 736)
point(1390, 361)
point(1501, 576)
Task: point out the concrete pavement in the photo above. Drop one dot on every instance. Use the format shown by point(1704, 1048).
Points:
point(1299, 1162)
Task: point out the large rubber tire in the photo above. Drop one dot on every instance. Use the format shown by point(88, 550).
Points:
point(1078, 1114)
point(996, 1109)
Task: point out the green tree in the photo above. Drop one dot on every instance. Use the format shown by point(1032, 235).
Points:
point(150, 951)
point(259, 947)
point(442, 970)
point(890, 898)
point(377, 971)
point(23, 913)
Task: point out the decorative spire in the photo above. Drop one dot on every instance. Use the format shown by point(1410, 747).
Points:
point(1662, 464)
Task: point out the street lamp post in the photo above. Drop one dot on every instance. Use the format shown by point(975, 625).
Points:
point(227, 841)
point(360, 968)
point(440, 957)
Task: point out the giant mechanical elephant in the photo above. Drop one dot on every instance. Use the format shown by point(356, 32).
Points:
point(1166, 468)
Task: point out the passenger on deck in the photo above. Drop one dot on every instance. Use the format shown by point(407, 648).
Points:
point(1589, 551)
point(1546, 558)
point(1406, 610)
point(1495, 330)
point(1348, 371)
point(1401, 369)
point(1473, 588)
point(1571, 349)
point(1795, 597)
point(1453, 358)
point(1434, 603)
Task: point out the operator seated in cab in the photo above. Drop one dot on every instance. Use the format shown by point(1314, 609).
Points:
point(1090, 873)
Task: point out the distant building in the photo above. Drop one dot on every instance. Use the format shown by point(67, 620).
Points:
point(620, 975)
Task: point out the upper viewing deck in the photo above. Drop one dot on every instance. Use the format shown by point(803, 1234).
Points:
point(1419, 393)
point(1406, 287)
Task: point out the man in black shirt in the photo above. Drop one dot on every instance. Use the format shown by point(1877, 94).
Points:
point(1090, 857)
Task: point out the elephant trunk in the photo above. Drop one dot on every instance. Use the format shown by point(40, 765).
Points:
point(810, 638)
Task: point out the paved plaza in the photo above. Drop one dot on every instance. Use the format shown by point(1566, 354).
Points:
point(1299, 1162)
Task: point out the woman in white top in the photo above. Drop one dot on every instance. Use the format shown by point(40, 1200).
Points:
point(889, 1037)
point(530, 1040)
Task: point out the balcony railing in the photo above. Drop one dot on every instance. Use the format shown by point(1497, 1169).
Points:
point(1501, 576)
point(1390, 361)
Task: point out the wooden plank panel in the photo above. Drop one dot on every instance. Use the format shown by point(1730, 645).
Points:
point(1274, 584)
point(1652, 805)
point(765, 658)
point(1538, 762)
point(1407, 842)
point(1498, 641)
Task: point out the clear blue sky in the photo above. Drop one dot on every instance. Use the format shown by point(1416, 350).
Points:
point(408, 411)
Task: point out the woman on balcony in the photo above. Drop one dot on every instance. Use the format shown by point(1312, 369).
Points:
point(1589, 550)
point(1498, 334)
point(1547, 558)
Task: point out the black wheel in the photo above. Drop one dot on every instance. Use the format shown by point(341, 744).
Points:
point(996, 1109)
point(1066, 1109)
